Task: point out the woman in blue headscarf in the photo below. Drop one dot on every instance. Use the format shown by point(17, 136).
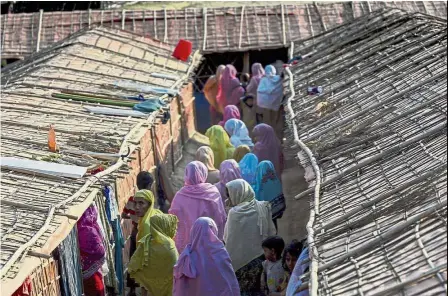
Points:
point(269, 100)
point(268, 187)
point(248, 167)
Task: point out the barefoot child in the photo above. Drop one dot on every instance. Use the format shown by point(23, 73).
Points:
point(273, 276)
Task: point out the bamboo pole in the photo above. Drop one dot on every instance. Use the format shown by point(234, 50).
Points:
point(204, 17)
point(241, 26)
point(39, 30)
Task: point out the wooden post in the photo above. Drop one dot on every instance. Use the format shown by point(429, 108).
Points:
point(246, 62)
point(123, 18)
point(204, 18)
point(90, 17)
point(39, 30)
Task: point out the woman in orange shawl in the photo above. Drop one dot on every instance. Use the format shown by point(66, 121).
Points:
point(211, 88)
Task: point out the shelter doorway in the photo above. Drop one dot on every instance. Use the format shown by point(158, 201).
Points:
point(242, 62)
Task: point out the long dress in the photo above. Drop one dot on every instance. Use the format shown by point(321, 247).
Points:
point(211, 89)
point(249, 221)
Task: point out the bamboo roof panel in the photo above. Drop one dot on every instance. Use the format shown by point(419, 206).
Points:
point(378, 135)
point(92, 61)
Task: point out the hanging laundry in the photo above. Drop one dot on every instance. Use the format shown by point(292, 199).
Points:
point(149, 106)
point(25, 288)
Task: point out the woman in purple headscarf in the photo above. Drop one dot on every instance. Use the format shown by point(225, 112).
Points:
point(249, 104)
point(229, 171)
point(268, 146)
point(230, 112)
point(196, 199)
point(231, 90)
point(93, 252)
point(204, 267)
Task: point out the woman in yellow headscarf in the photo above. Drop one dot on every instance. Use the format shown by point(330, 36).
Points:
point(155, 246)
point(220, 144)
point(152, 264)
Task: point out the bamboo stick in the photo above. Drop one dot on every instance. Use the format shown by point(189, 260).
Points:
point(92, 100)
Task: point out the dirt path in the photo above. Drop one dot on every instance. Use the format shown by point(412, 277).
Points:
point(294, 220)
point(189, 154)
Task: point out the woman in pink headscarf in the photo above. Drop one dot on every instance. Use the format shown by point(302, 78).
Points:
point(230, 112)
point(230, 91)
point(229, 171)
point(257, 74)
point(196, 199)
point(93, 252)
point(268, 146)
point(204, 267)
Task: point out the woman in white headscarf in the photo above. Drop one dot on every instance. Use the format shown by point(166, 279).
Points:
point(249, 223)
point(239, 135)
point(269, 101)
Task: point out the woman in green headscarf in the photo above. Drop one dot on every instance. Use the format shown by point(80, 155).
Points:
point(152, 263)
point(220, 144)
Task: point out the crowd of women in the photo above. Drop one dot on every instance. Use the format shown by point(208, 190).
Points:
point(219, 236)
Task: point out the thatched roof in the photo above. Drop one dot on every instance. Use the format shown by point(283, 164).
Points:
point(211, 30)
point(374, 147)
point(37, 209)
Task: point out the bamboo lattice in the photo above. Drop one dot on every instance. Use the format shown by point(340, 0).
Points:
point(379, 135)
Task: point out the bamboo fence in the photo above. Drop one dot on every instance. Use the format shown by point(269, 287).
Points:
point(220, 29)
point(374, 148)
point(89, 62)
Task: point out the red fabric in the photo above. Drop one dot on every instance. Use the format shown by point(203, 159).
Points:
point(94, 286)
point(25, 288)
point(183, 50)
point(130, 212)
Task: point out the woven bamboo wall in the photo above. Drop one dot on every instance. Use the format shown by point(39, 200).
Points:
point(211, 30)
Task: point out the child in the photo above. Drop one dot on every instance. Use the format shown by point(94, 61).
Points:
point(289, 260)
point(273, 275)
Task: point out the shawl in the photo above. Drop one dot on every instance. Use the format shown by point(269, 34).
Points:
point(230, 112)
point(239, 135)
point(196, 199)
point(153, 261)
point(231, 90)
point(205, 155)
point(257, 74)
point(249, 223)
point(204, 267)
point(144, 223)
point(91, 246)
point(295, 282)
point(229, 171)
point(248, 166)
point(270, 90)
point(211, 88)
point(240, 152)
point(268, 146)
point(220, 144)
point(267, 186)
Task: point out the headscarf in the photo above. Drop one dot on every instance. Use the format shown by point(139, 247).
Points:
point(229, 171)
point(211, 88)
point(230, 111)
point(257, 74)
point(267, 185)
point(270, 90)
point(204, 267)
point(240, 152)
point(196, 199)
point(231, 90)
point(205, 155)
point(239, 135)
point(153, 262)
point(295, 282)
point(91, 246)
point(144, 223)
point(220, 144)
point(249, 223)
point(248, 166)
point(268, 146)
